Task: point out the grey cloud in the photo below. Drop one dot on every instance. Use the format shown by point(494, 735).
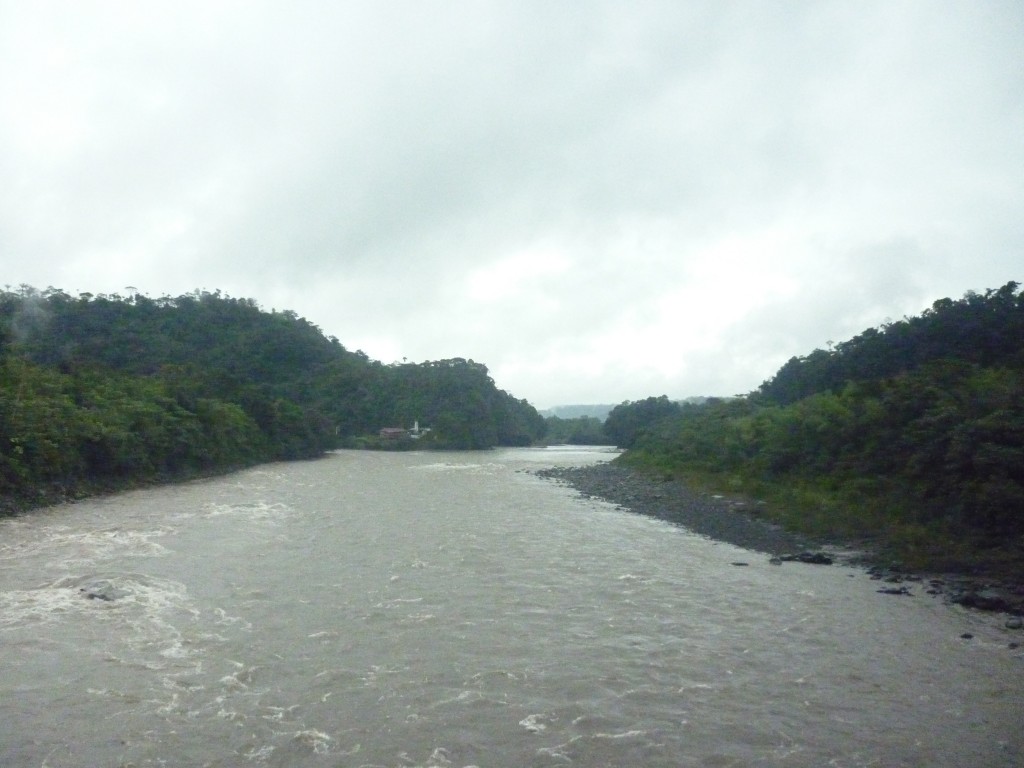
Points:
point(332, 157)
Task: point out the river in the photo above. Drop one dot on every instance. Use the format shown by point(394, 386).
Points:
point(453, 609)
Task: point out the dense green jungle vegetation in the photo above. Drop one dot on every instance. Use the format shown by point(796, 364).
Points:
point(909, 438)
point(103, 392)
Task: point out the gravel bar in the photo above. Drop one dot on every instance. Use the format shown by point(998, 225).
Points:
point(730, 520)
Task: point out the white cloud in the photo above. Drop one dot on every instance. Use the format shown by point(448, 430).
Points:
point(518, 276)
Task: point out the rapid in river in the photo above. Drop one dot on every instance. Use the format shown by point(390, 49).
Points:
point(454, 609)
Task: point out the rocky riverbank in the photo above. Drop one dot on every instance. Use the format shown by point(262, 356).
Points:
point(736, 521)
point(716, 517)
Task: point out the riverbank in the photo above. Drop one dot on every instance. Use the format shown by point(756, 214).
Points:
point(729, 520)
point(737, 521)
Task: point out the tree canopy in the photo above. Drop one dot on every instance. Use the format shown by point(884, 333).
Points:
point(980, 329)
point(913, 432)
point(627, 421)
point(110, 390)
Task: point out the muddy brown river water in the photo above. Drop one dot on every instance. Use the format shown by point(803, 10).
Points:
point(424, 609)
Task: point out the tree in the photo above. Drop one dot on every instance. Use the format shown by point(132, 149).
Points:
point(626, 421)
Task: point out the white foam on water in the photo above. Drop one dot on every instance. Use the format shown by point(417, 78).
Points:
point(94, 594)
point(623, 748)
point(318, 741)
point(272, 513)
point(467, 467)
point(150, 611)
point(226, 620)
point(19, 607)
point(116, 542)
point(533, 723)
point(324, 634)
point(259, 754)
point(397, 601)
point(280, 714)
point(440, 757)
point(241, 680)
point(66, 548)
point(632, 734)
point(298, 747)
point(419, 618)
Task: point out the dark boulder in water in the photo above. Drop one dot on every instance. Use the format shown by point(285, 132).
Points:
point(102, 590)
point(814, 558)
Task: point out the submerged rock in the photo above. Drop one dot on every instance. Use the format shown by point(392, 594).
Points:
point(814, 558)
point(102, 590)
point(990, 599)
point(895, 591)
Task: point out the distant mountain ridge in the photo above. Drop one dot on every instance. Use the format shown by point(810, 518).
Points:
point(600, 411)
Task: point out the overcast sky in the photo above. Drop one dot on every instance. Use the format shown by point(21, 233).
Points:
point(600, 201)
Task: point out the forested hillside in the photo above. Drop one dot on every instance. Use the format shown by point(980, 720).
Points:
point(109, 391)
point(911, 435)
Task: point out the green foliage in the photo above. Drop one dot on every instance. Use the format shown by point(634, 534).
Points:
point(458, 400)
point(913, 435)
point(110, 391)
point(982, 329)
point(628, 420)
point(580, 430)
